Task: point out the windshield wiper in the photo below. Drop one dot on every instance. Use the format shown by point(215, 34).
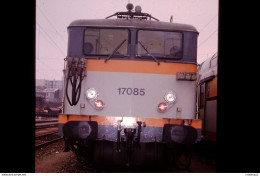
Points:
point(117, 48)
point(149, 53)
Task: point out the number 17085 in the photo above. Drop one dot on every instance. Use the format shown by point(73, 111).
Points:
point(131, 91)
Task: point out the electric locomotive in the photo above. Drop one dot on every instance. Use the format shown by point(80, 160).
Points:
point(130, 89)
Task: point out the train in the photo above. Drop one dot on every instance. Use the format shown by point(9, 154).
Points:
point(46, 109)
point(207, 91)
point(207, 105)
point(47, 112)
point(130, 96)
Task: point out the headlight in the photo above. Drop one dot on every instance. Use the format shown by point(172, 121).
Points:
point(170, 97)
point(91, 93)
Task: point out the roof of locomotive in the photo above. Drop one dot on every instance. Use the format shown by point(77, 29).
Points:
point(133, 23)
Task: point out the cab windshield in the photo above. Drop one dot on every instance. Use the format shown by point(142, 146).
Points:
point(105, 41)
point(160, 44)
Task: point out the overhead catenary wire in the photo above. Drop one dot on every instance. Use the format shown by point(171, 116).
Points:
point(42, 75)
point(42, 29)
point(52, 75)
point(49, 65)
point(208, 37)
point(47, 68)
point(48, 38)
point(208, 23)
point(50, 23)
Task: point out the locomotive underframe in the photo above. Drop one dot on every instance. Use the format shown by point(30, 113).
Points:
point(132, 146)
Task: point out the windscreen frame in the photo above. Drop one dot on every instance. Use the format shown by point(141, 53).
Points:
point(159, 57)
point(114, 47)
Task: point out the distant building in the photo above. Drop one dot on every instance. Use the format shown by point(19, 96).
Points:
point(51, 94)
point(39, 92)
point(49, 83)
point(40, 82)
point(49, 91)
point(53, 84)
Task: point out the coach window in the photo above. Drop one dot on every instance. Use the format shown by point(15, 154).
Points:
point(161, 44)
point(105, 41)
point(207, 89)
point(202, 97)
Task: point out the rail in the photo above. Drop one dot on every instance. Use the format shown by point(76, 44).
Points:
point(46, 125)
point(48, 142)
point(46, 139)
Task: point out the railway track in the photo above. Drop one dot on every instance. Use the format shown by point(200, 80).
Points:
point(46, 139)
point(49, 136)
point(45, 121)
point(42, 125)
point(46, 134)
point(48, 142)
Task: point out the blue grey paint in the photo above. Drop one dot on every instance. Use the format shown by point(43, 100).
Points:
point(148, 134)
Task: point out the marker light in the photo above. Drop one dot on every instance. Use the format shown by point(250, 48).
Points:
point(99, 104)
point(162, 107)
point(186, 76)
point(170, 97)
point(193, 76)
point(181, 75)
point(91, 93)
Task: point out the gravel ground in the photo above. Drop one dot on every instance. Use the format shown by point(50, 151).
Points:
point(45, 152)
point(52, 159)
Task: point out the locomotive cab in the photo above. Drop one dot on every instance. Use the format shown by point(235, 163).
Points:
point(130, 89)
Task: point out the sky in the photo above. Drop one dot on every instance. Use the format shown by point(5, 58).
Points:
point(54, 16)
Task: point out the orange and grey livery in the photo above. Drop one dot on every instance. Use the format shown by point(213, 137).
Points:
point(130, 89)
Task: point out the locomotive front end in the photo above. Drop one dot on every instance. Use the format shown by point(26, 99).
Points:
point(130, 90)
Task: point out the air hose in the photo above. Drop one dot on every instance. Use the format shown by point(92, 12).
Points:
point(76, 73)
